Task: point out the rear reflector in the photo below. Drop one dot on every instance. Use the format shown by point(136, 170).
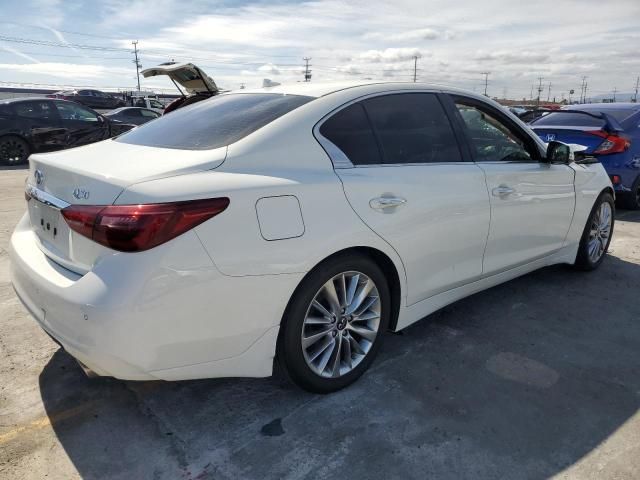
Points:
point(615, 179)
point(134, 228)
point(611, 143)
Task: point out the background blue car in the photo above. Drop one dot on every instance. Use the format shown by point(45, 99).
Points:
point(611, 132)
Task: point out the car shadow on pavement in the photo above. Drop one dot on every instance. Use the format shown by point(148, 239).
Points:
point(520, 381)
point(23, 166)
point(627, 215)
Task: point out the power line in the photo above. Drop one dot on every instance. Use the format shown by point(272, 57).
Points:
point(47, 43)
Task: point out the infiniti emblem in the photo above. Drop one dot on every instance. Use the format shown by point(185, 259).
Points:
point(80, 193)
point(39, 176)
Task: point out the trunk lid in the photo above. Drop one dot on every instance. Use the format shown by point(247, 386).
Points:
point(571, 135)
point(96, 175)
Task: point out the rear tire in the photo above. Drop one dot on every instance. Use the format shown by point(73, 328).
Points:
point(334, 324)
point(13, 150)
point(597, 233)
point(631, 200)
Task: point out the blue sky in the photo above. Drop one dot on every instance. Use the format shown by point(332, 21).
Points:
point(41, 41)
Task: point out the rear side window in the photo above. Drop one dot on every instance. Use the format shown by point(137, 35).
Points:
point(582, 120)
point(350, 131)
point(34, 109)
point(412, 128)
point(214, 123)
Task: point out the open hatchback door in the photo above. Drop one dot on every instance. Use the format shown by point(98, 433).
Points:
point(197, 84)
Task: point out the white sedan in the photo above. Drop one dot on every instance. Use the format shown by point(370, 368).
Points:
point(293, 222)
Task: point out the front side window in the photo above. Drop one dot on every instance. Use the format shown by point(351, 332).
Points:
point(492, 140)
point(73, 111)
point(216, 122)
point(412, 128)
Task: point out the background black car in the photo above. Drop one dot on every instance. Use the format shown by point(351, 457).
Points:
point(90, 98)
point(29, 125)
point(132, 115)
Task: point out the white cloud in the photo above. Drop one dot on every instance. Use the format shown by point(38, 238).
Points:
point(65, 70)
point(269, 68)
point(17, 52)
point(391, 55)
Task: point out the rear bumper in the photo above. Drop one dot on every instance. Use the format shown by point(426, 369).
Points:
point(166, 313)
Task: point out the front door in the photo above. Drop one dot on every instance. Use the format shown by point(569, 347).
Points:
point(406, 177)
point(532, 201)
point(83, 125)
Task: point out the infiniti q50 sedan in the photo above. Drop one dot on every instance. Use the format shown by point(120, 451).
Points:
point(293, 222)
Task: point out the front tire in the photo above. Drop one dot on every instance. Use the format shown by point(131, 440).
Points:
point(13, 150)
point(334, 323)
point(597, 233)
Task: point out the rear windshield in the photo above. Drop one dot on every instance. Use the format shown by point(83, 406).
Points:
point(582, 120)
point(214, 123)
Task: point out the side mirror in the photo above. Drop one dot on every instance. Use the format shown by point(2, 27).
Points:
point(558, 152)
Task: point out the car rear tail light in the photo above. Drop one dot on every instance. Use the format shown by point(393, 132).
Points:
point(615, 179)
point(134, 228)
point(611, 143)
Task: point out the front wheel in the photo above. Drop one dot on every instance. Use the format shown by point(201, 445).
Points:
point(597, 233)
point(334, 324)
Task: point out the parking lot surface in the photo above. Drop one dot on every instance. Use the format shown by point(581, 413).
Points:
point(536, 378)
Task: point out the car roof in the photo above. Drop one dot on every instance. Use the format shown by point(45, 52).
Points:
point(321, 89)
point(24, 99)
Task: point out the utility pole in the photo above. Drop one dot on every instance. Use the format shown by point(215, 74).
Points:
point(540, 88)
point(486, 81)
point(504, 93)
point(307, 72)
point(583, 89)
point(137, 62)
point(635, 96)
point(549, 92)
point(415, 68)
point(615, 90)
point(531, 94)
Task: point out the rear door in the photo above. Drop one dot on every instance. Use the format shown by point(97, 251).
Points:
point(42, 124)
point(405, 176)
point(83, 125)
point(532, 201)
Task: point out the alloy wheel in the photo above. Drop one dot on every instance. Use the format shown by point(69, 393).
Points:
point(600, 232)
point(341, 324)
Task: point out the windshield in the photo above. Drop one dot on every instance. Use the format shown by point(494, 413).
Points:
point(214, 123)
point(582, 120)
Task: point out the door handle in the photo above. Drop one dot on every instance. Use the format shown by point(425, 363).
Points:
point(502, 191)
point(383, 203)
